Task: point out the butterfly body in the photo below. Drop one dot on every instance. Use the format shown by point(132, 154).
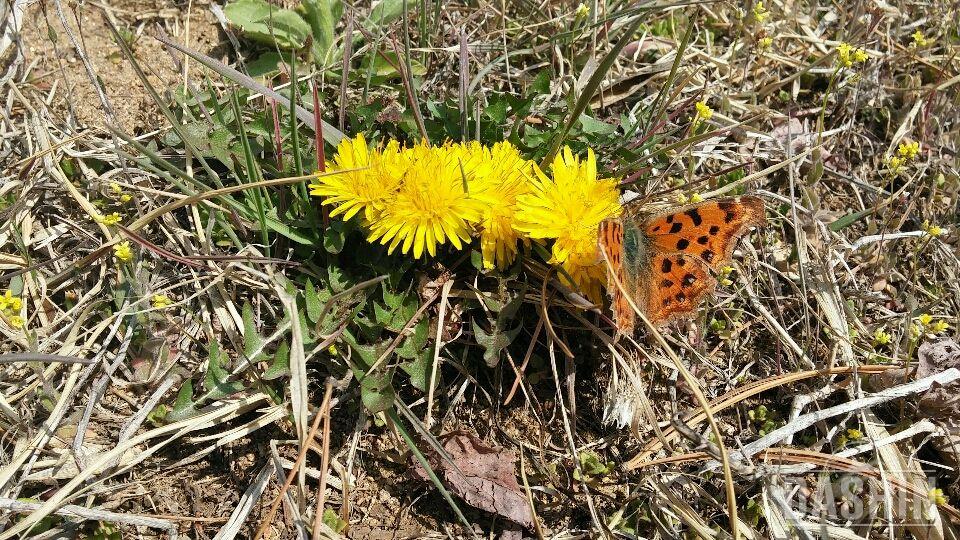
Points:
point(665, 261)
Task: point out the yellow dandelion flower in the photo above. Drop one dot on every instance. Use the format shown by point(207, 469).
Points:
point(122, 251)
point(432, 206)
point(160, 301)
point(919, 40)
point(569, 208)
point(371, 177)
point(501, 178)
point(110, 219)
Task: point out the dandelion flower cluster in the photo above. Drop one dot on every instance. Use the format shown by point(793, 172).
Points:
point(417, 199)
point(10, 307)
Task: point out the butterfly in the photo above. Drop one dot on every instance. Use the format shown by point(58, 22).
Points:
point(665, 261)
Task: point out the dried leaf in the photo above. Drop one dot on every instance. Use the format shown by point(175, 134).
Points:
point(481, 475)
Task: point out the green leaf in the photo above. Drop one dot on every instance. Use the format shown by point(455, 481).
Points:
point(396, 310)
point(593, 126)
point(848, 220)
point(319, 15)
point(499, 336)
point(280, 367)
point(251, 339)
point(415, 342)
point(419, 369)
point(314, 301)
point(215, 381)
point(334, 237)
point(268, 24)
point(183, 407)
point(384, 13)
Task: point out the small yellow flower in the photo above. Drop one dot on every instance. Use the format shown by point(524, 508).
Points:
point(760, 13)
point(847, 55)
point(895, 163)
point(122, 251)
point(582, 11)
point(724, 276)
point(115, 188)
point(937, 497)
point(695, 198)
point(704, 112)
point(764, 43)
point(881, 337)
point(160, 301)
point(919, 40)
point(15, 321)
point(854, 434)
point(915, 331)
point(938, 327)
point(908, 150)
point(10, 303)
point(126, 197)
point(925, 319)
point(682, 198)
point(932, 230)
point(110, 219)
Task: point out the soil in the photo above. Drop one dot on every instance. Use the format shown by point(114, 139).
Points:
point(58, 66)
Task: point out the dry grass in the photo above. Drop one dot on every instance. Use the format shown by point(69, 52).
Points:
point(786, 357)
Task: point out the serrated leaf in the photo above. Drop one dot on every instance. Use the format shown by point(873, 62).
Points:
point(499, 336)
point(215, 381)
point(415, 342)
point(396, 310)
point(280, 367)
point(376, 391)
point(334, 237)
point(252, 341)
point(419, 369)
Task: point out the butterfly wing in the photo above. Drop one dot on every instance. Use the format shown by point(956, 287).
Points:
point(675, 286)
point(708, 230)
point(611, 242)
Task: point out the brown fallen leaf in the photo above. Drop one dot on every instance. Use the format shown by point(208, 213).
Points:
point(481, 475)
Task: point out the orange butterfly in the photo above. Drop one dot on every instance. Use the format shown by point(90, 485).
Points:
point(664, 262)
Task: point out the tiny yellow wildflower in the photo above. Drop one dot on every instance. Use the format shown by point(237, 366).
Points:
point(915, 331)
point(724, 276)
point(936, 496)
point(909, 149)
point(10, 303)
point(760, 13)
point(847, 55)
point(126, 197)
point(704, 112)
point(765, 43)
point(160, 301)
point(925, 319)
point(110, 219)
point(895, 163)
point(123, 252)
point(938, 327)
point(881, 337)
point(15, 321)
point(582, 11)
point(932, 230)
point(696, 197)
point(115, 188)
point(919, 40)
point(854, 434)
point(682, 198)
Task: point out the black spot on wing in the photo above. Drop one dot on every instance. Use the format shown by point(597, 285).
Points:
point(680, 297)
point(714, 229)
point(683, 243)
point(666, 283)
point(703, 240)
point(708, 255)
point(666, 265)
point(694, 216)
point(689, 279)
point(675, 228)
